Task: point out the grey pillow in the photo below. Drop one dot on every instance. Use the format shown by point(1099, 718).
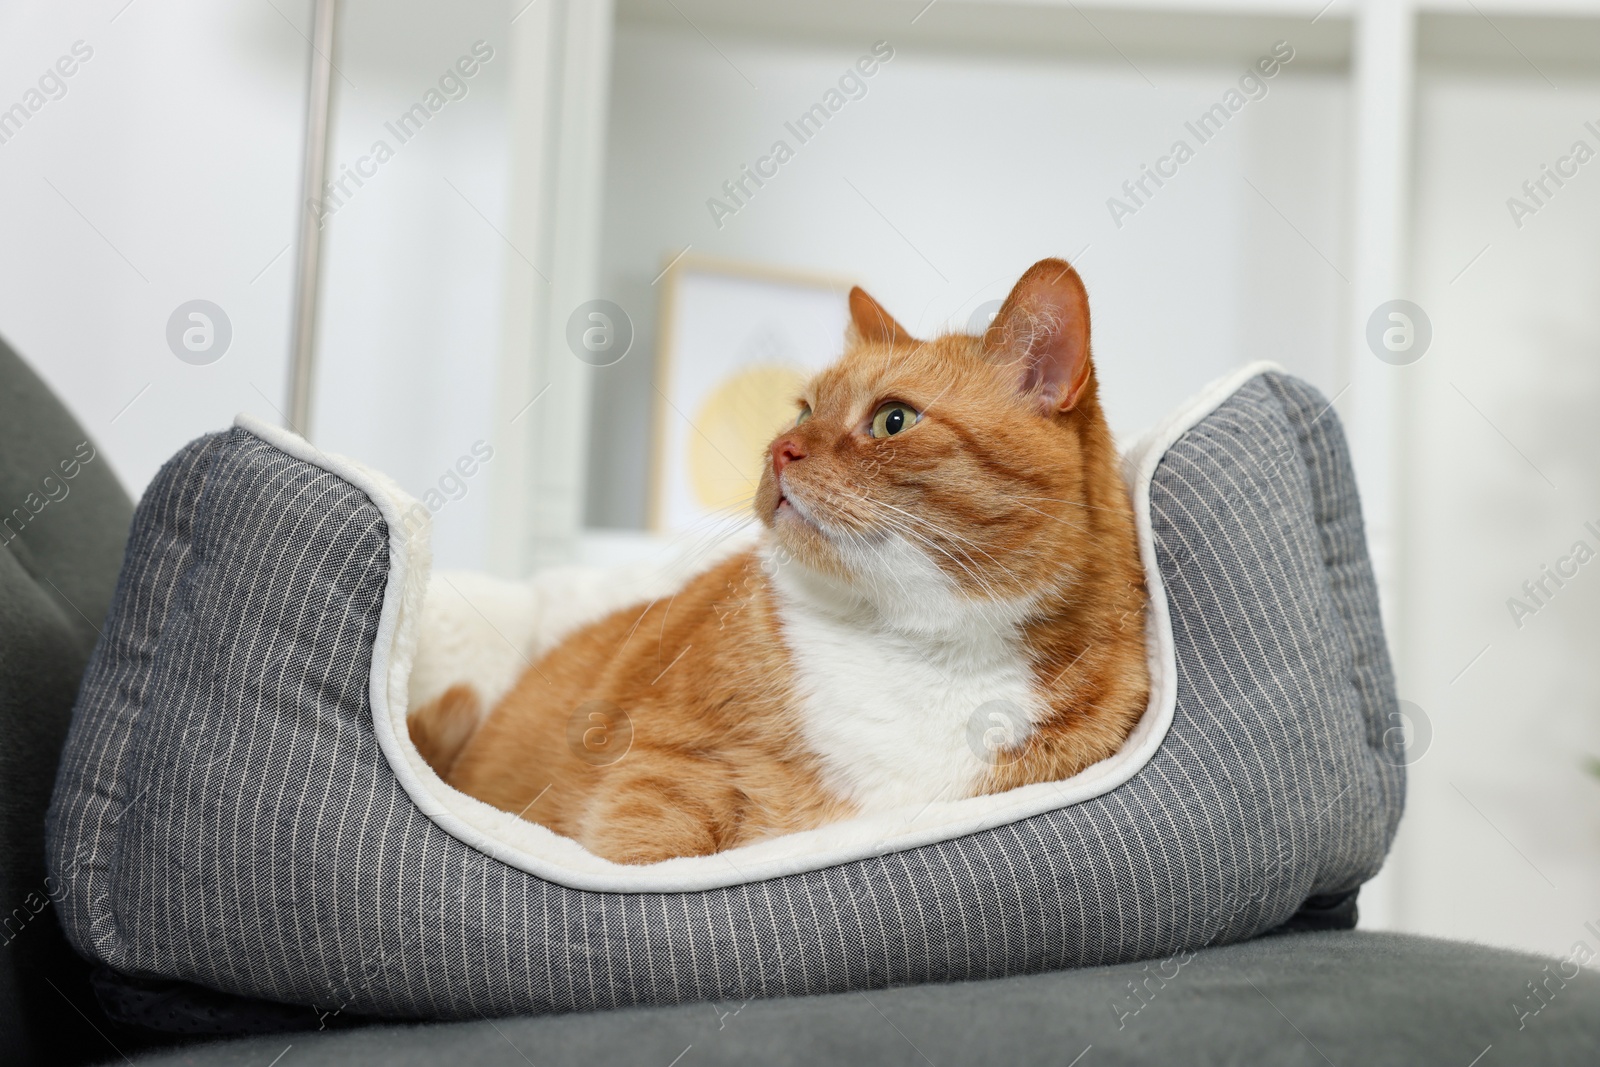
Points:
point(227, 814)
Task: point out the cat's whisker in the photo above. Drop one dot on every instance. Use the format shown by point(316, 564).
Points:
point(954, 537)
point(1058, 500)
point(932, 403)
point(707, 533)
point(1046, 514)
point(967, 565)
point(942, 531)
point(966, 568)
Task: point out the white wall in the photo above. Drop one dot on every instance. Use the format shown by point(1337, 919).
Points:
point(179, 143)
point(168, 172)
point(983, 163)
point(1501, 839)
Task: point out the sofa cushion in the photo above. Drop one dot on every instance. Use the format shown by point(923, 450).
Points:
point(63, 520)
point(1303, 1000)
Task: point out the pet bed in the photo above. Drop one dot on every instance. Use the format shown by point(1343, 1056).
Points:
point(239, 806)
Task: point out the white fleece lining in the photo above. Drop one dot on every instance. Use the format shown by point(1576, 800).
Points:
point(538, 851)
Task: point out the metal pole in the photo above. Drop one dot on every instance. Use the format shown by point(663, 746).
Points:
point(308, 261)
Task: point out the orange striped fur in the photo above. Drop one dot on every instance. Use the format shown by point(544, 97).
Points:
point(993, 534)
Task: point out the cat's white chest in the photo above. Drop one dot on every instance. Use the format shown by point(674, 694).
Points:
point(901, 717)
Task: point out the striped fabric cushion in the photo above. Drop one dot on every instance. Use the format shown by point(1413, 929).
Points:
point(224, 815)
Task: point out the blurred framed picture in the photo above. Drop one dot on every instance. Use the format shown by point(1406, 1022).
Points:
point(736, 343)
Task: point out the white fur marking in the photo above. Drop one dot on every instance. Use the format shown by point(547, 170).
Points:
point(891, 668)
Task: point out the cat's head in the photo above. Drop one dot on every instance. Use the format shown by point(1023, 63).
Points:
point(967, 462)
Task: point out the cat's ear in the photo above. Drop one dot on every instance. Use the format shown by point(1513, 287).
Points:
point(871, 324)
point(1043, 329)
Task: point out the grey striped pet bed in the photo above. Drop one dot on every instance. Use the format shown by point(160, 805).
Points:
point(239, 824)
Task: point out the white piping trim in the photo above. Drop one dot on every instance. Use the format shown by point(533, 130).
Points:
point(537, 851)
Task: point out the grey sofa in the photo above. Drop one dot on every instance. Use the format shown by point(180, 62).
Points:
point(1296, 997)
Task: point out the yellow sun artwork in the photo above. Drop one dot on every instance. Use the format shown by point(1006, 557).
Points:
point(732, 429)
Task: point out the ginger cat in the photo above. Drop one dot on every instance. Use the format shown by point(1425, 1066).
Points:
point(947, 600)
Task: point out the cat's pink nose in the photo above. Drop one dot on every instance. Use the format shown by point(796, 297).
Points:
point(785, 450)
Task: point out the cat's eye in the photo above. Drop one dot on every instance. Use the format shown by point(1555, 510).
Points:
point(894, 417)
point(805, 413)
